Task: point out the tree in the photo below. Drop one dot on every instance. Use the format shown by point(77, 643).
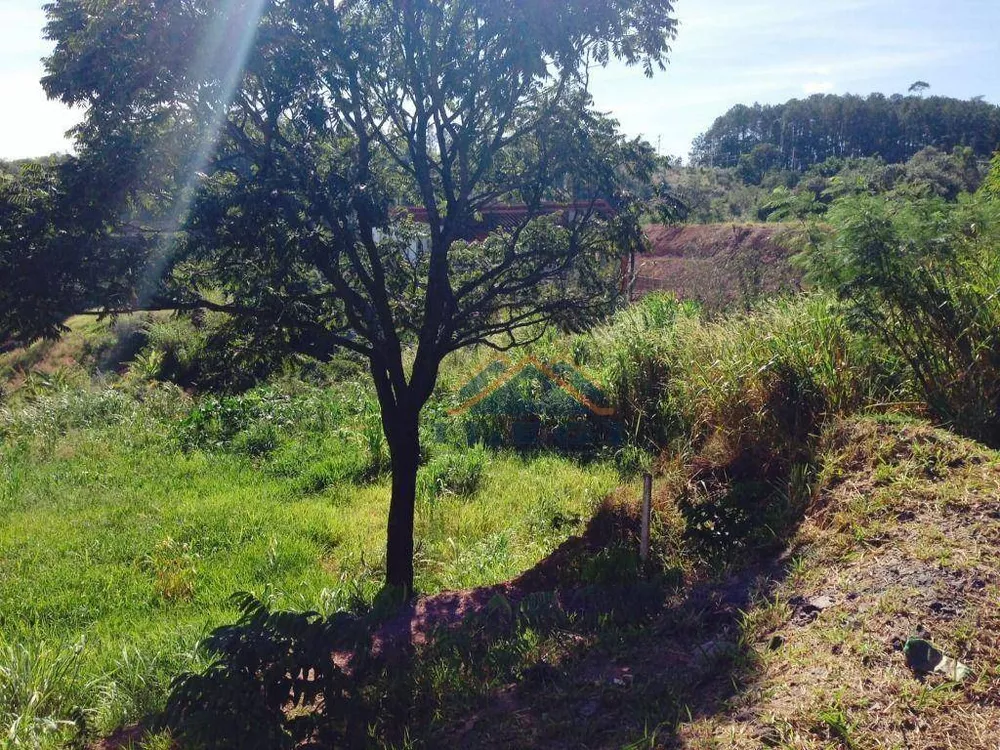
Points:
point(757, 162)
point(56, 257)
point(267, 149)
point(810, 131)
point(918, 87)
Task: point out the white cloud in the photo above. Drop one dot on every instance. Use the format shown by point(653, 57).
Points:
point(39, 125)
point(818, 87)
point(34, 126)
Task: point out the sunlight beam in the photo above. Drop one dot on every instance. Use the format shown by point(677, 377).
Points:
point(215, 74)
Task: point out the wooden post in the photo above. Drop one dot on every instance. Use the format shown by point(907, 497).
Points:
point(647, 509)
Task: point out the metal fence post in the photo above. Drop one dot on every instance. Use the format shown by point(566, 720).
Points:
point(647, 509)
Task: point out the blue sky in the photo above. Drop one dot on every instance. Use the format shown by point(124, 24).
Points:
point(727, 52)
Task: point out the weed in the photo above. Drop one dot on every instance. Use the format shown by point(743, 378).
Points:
point(835, 721)
point(453, 473)
point(38, 689)
point(174, 566)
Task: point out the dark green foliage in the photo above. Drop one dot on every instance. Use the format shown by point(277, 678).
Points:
point(613, 566)
point(346, 463)
point(616, 587)
point(271, 671)
point(58, 253)
point(932, 172)
point(759, 161)
point(803, 132)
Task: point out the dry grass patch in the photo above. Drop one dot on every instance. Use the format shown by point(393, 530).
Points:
point(903, 541)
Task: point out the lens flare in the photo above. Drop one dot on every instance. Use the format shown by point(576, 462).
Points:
point(216, 74)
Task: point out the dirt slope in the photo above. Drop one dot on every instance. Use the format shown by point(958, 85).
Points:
point(719, 265)
point(902, 539)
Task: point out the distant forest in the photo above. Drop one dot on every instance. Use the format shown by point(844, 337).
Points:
point(803, 132)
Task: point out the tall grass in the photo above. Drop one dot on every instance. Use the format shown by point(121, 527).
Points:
point(739, 403)
point(37, 688)
point(764, 379)
point(638, 353)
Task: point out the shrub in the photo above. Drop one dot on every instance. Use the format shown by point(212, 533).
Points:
point(173, 566)
point(272, 672)
point(453, 473)
point(923, 276)
point(53, 415)
point(258, 441)
point(991, 185)
point(373, 438)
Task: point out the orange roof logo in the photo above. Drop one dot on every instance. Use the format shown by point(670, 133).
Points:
point(512, 370)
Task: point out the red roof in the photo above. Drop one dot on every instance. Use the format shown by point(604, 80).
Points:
point(510, 216)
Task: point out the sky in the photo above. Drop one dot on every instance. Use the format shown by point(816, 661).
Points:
point(769, 51)
point(726, 52)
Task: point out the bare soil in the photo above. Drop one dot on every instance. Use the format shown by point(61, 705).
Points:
point(718, 265)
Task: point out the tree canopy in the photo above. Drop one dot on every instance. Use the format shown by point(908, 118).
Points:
point(804, 132)
point(262, 154)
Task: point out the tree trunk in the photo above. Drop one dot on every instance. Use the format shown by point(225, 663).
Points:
point(404, 452)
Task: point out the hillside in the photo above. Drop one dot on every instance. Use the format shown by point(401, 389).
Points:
point(900, 539)
point(803, 132)
point(785, 575)
point(718, 265)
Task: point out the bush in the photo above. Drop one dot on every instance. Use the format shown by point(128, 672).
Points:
point(453, 473)
point(540, 404)
point(52, 415)
point(923, 276)
point(272, 672)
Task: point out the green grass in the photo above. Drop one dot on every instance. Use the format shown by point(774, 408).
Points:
point(130, 512)
point(121, 548)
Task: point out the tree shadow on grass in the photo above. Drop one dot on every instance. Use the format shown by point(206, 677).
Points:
point(591, 647)
point(623, 675)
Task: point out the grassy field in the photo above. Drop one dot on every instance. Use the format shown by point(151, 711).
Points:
point(124, 530)
point(131, 510)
